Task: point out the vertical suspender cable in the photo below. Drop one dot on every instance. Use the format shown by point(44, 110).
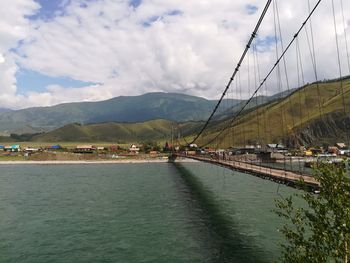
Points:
point(338, 56)
point(339, 63)
point(284, 62)
point(240, 97)
point(345, 35)
point(278, 76)
point(257, 79)
point(300, 100)
point(302, 77)
point(313, 58)
point(256, 95)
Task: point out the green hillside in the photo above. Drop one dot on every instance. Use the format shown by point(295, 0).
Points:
point(156, 130)
point(302, 118)
point(171, 106)
point(229, 111)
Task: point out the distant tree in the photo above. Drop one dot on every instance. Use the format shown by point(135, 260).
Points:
point(166, 147)
point(325, 145)
point(149, 145)
point(15, 136)
point(252, 142)
point(23, 137)
point(319, 232)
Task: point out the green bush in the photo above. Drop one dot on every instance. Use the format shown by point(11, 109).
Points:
point(320, 230)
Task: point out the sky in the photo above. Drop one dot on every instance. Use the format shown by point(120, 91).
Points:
point(58, 51)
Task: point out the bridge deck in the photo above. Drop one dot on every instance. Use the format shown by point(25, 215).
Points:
point(287, 177)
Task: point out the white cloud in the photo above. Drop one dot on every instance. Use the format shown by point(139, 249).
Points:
point(13, 27)
point(2, 59)
point(174, 46)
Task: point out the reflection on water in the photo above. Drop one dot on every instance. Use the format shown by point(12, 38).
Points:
point(229, 244)
point(246, 203)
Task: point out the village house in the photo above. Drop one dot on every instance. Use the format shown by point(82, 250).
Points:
point(344, 152)
point(308, 153)
point(333, 150)
point(55, 147)
point(153, 153)
point(85, 149)
point(31, 150)
point(342, 148)
point(12, 148)
point(209, 150)
point(341, 145)
point(275, 147)
point(134, 149)
point(113, 148)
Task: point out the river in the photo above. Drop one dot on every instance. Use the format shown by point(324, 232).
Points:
point(160, 212)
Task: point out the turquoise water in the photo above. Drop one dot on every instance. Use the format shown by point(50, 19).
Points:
point(136, 213)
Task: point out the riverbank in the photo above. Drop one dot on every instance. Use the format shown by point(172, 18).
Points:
point(133, 161)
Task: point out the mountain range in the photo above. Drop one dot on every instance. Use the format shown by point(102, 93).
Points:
point(150, 106)
point(316, 113)
point(131, 109)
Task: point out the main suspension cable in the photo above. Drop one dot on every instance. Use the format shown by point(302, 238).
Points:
point(253, 35)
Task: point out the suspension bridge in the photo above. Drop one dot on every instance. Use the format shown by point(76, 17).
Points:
point(298, 102)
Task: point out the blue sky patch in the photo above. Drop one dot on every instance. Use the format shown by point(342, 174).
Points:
point(251, 9)
point(150, 21)
point(264, 44)
point(153, 19)
point(50, 9)
point(135, 3)
point(18, 46)
point(83, 5)
point(174, 13)
point(29, 80)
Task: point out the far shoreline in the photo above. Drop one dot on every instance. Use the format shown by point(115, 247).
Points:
point(53, 162)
